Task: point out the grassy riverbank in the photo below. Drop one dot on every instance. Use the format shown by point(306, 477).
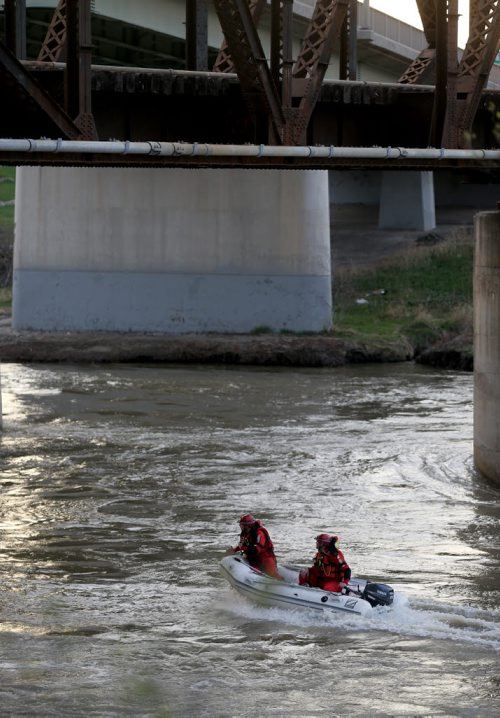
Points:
point(7, 192)
point(421, 296)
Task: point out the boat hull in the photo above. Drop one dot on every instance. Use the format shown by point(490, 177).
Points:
point(264, 590)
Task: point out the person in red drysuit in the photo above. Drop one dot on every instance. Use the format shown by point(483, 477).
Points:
point(330, 571)
point(255, 543)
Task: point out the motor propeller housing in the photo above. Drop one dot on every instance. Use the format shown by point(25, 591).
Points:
point(378, 594)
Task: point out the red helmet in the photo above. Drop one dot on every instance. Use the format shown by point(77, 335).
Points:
point(323, 540)
point(247, 520)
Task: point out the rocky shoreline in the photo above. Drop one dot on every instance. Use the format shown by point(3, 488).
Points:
point(234, 349)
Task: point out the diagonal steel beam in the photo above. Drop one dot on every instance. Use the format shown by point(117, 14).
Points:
point(19, 77)
point(54, 44)
point(312, 63)
point(427, 10)
point(250, 62)
point(224, 61)
point(476, 63)
point(423, 66)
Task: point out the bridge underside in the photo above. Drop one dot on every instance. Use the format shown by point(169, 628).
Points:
point(268, 87)
point(179, 106)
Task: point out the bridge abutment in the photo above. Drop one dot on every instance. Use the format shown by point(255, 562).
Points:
point(487, 344)
point(106, 249)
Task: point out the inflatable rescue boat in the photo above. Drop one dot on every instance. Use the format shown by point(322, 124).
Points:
point(361, 596)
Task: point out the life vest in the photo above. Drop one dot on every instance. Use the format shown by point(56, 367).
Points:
point(331, 566)
point(255, 546)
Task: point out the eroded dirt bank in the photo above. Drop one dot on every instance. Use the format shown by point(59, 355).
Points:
point(258, 350)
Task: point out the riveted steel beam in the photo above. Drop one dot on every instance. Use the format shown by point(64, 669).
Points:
point(422, 68)
point(475, 66)
point(324, 28)
point(282, 61)
point(16, 78)
point(427, 10)
point(250, 63)
point(54, 45)
point(450, 135)
point(348, 43)
point(224, 62)
point(78, 73)
point(442, 57)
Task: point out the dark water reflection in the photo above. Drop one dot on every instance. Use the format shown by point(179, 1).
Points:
point(120, 490)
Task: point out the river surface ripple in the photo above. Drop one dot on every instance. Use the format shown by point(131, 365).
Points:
point(121, 486)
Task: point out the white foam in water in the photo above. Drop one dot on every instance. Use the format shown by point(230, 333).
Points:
point(423, 619)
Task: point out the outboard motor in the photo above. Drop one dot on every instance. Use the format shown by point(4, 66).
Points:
point(378, 594)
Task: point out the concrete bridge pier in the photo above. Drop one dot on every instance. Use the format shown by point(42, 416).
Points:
point(487, 344)
point(162, 250)
point(407, 201)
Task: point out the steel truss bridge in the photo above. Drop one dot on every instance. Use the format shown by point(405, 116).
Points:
point(241, 98)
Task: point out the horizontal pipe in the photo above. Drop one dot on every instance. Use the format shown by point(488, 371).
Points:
point(186, 149)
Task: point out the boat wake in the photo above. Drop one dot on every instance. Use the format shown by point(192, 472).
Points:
point(412, 618)
point(431, 619)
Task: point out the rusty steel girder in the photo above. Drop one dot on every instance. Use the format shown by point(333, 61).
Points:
point(473, 70)
point(348, 61)
point(224, 61)
point(257, 85)
point(324, 26)
point(482, 45)
point(423, 66)
point(29, 93)
point(312, 63)
point(54, 45)
point(78, 74)
point(458, 85)
point(288, 92)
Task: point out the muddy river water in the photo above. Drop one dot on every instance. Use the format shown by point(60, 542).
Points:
point(121, 486)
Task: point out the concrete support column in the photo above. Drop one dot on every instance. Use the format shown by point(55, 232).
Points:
point(407, 201)
point(487, 345)
point(165, 250)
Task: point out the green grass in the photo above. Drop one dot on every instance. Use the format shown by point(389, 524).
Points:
point(7, 193)
point(427, 294)
point(5, 297)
